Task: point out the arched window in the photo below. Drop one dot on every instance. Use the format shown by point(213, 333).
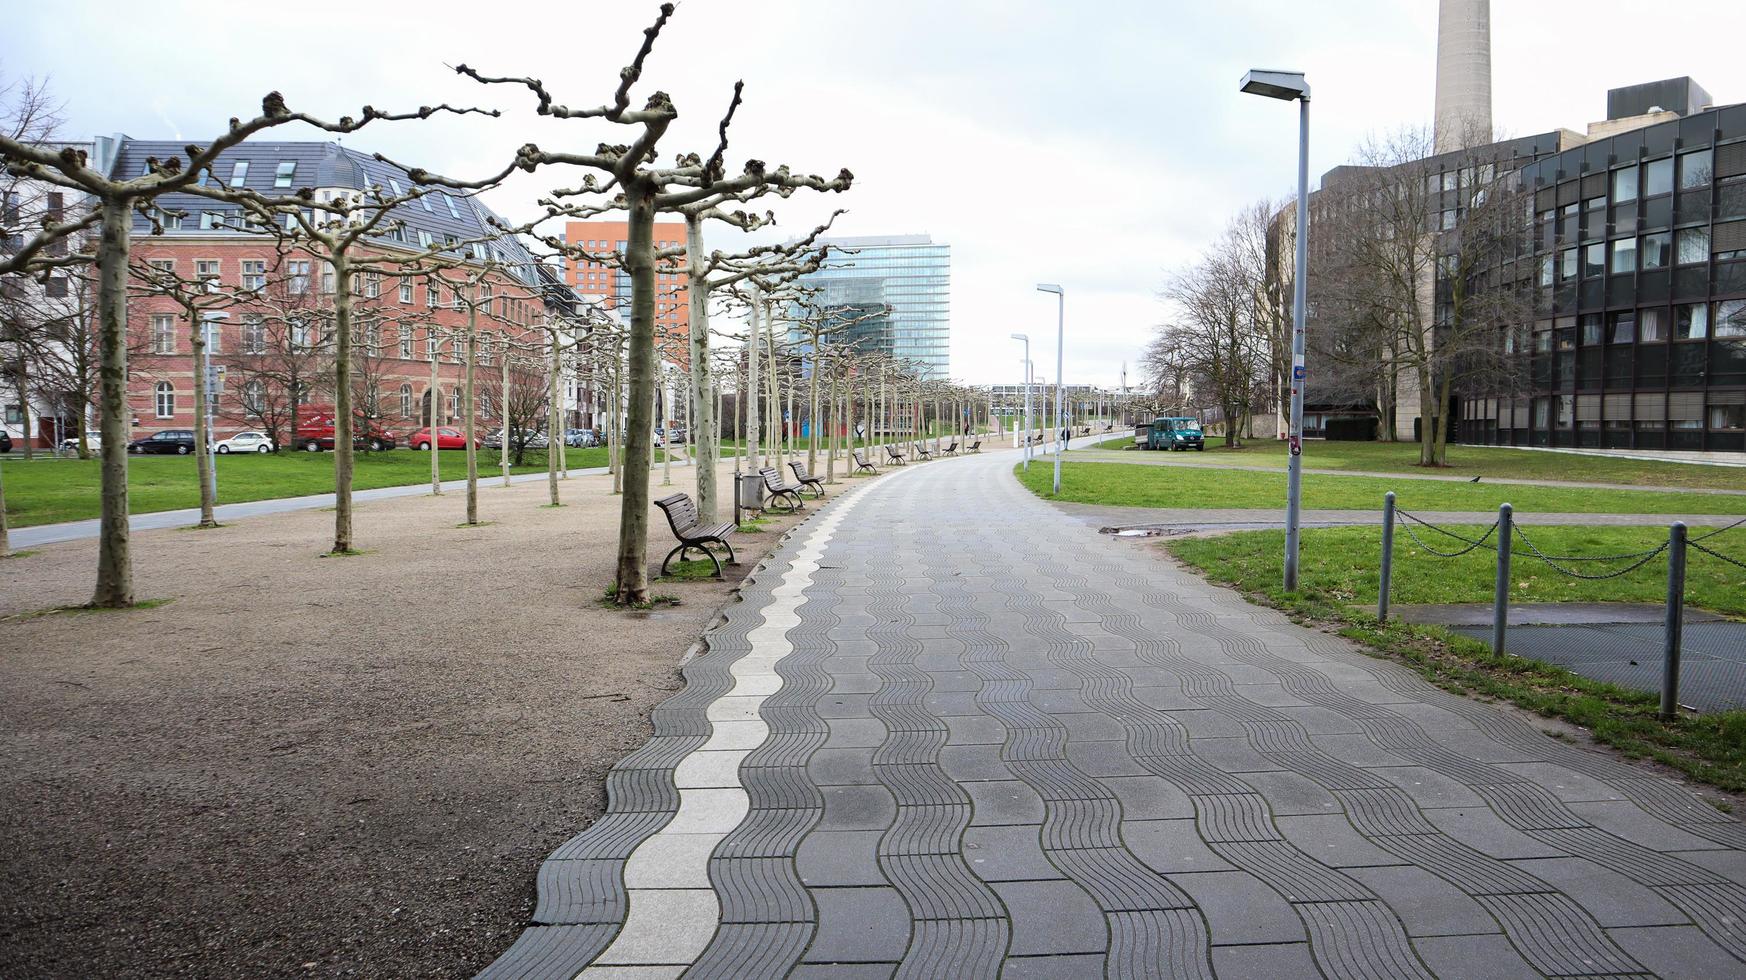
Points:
point(406, 401)
point(166, 400)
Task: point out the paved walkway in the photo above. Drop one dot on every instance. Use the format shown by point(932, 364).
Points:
point(950, 732)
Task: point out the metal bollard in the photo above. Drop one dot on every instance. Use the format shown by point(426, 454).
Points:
point(1387, 556)
point(1500, 602)
point(1675, 624)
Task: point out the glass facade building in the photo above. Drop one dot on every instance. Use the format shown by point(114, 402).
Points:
point(1639, 275)
point(910, 274)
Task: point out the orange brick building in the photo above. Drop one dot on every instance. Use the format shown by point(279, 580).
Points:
point(610, 287)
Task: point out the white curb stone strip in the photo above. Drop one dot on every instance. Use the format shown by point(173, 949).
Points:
point(673, 912)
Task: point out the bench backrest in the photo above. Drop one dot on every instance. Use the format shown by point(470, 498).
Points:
point(892, 452)
point(772, 479)
point(681, 513)
point(800, 472)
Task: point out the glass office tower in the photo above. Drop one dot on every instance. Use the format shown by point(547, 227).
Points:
point(908, 273)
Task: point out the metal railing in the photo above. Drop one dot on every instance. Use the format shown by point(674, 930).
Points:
point(1501, 536)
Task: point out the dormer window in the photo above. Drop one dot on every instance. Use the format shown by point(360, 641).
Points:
point(453, 211)
point(239, 173)
point(282, 176)
point(394, 185)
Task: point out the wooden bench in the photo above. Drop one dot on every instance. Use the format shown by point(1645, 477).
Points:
point(808, 482)
point(861, 464)
point(895, 456)
point(921, 451)
point(682, 518)
point(780, 491)
point(974, 447)
point(951, 449)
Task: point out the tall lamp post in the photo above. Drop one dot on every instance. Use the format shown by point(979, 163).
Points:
point(1290, 86)
point(1060, 342)
point(1027, 341)
point(209, 322)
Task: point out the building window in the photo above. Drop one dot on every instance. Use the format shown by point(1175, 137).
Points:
point(1727, 411)
point(432, 344)
point(1694, 245)
point(1694, 169)
point(239, 173)
point(1594, 260)
point(206, 271)
point(1624, 327)
point(454, 212)
point(211, 221)
point(254, 274)
point(299, 276)
point(406, 290)
point(164, 400)
point(1624, 256)
point(454, 404)
point(1652, 326)
point(424, 240)
point(372, 286)
point(163, 334)
point(254, 334)
point(1625, 185)
point(56, 287)
point(1657, 250)
point(282, 176)
point(328, 284)
point(430, 296)
point(209, 331)
point(1567, 263)
point(254, 396)
point(406, 401)
point(1731, 318)
point(1691, 321)
point(1658, 177)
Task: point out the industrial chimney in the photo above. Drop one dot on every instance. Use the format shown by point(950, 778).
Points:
point(1463, 74)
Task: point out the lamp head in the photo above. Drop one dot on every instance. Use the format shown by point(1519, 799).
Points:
point(1049, 287)
point(1022, 336)
point(1287, 85)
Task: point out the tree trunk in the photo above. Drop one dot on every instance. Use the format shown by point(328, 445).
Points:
point(5, 539)
point(24, 404)
point(750, 394)
point(114, 562)
point(503, 416)
point(434, 394)
point(633, 522)
point(470, 410)
point(342, 406)
point(555, 443)
point(1427, 416)
point(202, 431)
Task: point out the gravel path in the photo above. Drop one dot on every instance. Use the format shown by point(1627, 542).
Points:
point(320, 767)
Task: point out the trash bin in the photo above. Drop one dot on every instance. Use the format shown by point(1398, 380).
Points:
point(749, 492)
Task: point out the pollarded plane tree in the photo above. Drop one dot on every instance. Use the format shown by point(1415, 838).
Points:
point(819, 325)
point(645, 189)
point(113, 200)
point(346, 230)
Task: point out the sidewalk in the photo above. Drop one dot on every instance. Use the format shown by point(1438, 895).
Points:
point(949, 732)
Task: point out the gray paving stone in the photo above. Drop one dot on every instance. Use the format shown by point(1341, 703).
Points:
point(1052, 917)
point(1292, 794)
point(1233, 755)
point(840, 857)
point(1474, 958)
point(842, 767)
point(1480, 828)
point(1171, 846)
point(857, 808)
point(1625, 819)
point(1240, 910)
point(1612, 898)
point(1320, 721)
point(1003, 801)
point(1332, 841)
point(1264, 962)
point(973, 762)
point(1009, 853)
point(854, 683)
point(1103, 759)
point(855, 733)
point(1357, 750)
point(1571, 787)
point(859, 925)
point(1427, 905)
point(976, 729)
point(843, 971)
point(1429, 788)
point(1728, 864)
point(1678, 952)
point(1149, 797)
point(1084, 967)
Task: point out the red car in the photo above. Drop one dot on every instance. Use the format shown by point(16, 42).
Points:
point(447, 437)
point(315, 433)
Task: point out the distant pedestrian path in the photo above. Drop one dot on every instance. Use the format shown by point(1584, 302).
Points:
point(952, 732)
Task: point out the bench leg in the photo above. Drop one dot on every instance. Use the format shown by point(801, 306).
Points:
point(679, 551)
point(731, 559)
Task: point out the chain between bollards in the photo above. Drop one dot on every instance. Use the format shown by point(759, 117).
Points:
point(1500, 603)
point(1387, 556)
point(1675, 622)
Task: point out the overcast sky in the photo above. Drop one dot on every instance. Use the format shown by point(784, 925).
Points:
point(1094, 145)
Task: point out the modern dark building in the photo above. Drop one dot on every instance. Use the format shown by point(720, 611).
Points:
point(1639, 271)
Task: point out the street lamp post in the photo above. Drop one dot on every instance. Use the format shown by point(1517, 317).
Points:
point(208, 377)
point(1290, 86)
point(1027, 435)
point(1060, 342)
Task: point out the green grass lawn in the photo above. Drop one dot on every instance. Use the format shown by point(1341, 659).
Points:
point(1521, 464)
point(1123, 485)
point(1338, 583)
point(51, 491)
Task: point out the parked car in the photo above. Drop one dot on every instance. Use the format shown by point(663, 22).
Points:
point(93, 440)
point(315, 433)
point(447, 437)
point(530, 439)
point(170, 442)
point(1172, 433)
point(245, 442)
point(581, 438)
point(5, 441)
